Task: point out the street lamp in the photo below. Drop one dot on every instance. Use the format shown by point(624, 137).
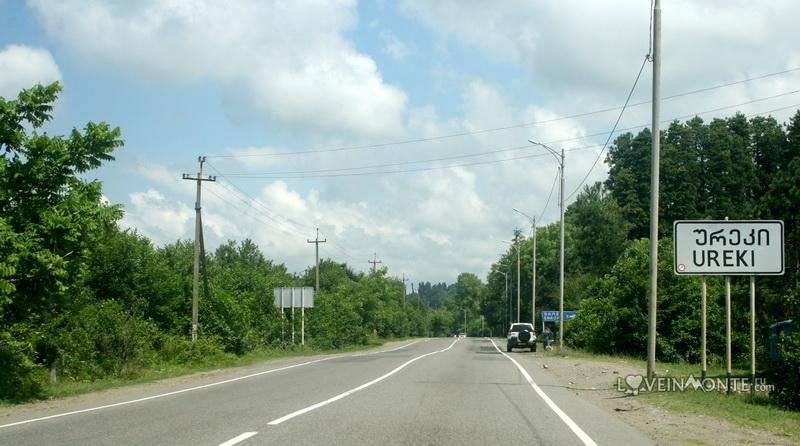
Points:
point(560, 161)
point(533, 280)
point(465, 322)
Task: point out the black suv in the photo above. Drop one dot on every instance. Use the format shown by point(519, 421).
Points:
point(520, 336)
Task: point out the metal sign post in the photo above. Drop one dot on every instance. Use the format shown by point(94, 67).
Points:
point(728, 334)
point(704, 311)
point(726, 248)
point(752, 333)
point(302, 297)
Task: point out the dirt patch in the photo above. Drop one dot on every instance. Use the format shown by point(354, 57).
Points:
point(596, 381)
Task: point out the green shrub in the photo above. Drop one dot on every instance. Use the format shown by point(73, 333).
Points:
point(785, 373)
point(105, 341)
point(17, 370)
point(181, 350)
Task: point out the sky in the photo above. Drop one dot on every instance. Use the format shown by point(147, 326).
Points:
point(398, 128)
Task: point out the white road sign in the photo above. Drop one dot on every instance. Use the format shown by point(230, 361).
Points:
point(728, 247)
point(303, 297)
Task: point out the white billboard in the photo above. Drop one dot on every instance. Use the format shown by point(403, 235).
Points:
point(303, 297)
point(728, 247)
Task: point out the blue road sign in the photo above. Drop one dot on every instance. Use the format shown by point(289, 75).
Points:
point(552, 316)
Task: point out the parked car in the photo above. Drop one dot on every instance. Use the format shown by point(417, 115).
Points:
point(521, 336)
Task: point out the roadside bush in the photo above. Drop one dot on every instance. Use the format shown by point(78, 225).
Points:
point(181, 350)
point(785, 373)
point(103, 341)
point(17, 371)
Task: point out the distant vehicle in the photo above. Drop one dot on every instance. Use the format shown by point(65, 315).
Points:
point(462, 335)
point(521, 336)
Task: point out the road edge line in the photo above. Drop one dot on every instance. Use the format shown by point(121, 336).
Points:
point(238, 439)
point(583, 436)
point(190, 389)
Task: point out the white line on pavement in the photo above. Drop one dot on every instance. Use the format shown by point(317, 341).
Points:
point(190, 389)
point(387, 351)
point(238, 439)
point(355, 389)
point(564, 417)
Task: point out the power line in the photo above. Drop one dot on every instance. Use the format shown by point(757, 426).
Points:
point(611, 133)
point(608, 134)
point(421, 169)
point(550, 195)
point(375, 166)
point(496, 129)
point(285, 225)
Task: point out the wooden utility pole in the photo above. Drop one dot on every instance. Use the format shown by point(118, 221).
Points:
point(316, 242)
point(374, 262)
point(198, 231)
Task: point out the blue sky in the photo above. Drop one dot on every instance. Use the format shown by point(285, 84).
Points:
point(198, 77)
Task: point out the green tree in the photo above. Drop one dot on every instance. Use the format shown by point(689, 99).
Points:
point(50, 221)
point(599, 231)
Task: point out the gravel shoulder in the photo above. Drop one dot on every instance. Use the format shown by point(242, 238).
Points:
point(595, 381)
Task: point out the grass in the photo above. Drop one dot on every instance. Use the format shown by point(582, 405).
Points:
point(164, 370)
point(741, 409)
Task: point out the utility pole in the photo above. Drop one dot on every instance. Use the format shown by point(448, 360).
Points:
point(654, 183)
point(316, 243)
point(374, 262)
point(519, 288)
point(561, 281)
point(197, 234)
point(560, 160)
point(533, 293)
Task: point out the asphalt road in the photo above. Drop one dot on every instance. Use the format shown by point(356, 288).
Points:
point(432, 391)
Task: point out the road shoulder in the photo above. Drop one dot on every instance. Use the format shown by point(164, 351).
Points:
point(595, 380)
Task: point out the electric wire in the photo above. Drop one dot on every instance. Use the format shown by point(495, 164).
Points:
point(613, 129)
point(550, 195)
point(508, 127)
point(374, 166)
point(287, 225)
point(606, 133)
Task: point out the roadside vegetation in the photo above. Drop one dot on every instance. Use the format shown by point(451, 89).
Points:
point(85, 304)
point(84, 301)
point(737, 167)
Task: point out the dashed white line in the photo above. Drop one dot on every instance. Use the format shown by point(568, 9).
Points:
point(564, 417)
point(305, 410)
point(238, 439)
point(190, 389)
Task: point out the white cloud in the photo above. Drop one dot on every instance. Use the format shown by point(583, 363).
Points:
point(288, 61)
point(580, 55)
point(156, 217)
point(23, 67)
point(394, 47)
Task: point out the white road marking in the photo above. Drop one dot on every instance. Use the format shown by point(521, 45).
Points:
point(190, 389)
point(564, 417)
point(387, 351)
point(238, 439)
point(297, 413)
